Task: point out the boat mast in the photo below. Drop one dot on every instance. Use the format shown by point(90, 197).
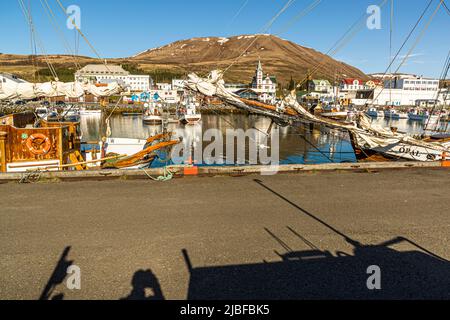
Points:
point(335, 85)
point(30, 23)
point(391, 26)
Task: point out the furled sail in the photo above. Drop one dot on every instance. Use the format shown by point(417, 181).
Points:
point(26, 90)
point(214, 86)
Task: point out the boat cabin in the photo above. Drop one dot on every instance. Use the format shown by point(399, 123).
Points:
point(25, 146)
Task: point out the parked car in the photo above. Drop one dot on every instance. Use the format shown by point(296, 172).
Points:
point(45, 103)
point(20, 103)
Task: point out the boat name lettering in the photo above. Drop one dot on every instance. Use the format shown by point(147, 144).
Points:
point(414, 153)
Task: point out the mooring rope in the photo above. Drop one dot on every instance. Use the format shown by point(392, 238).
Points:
point(31, 177)
point(168, 175)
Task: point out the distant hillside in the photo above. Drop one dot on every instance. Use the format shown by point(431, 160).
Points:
point(281, 58)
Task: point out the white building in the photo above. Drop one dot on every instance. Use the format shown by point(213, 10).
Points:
point(406, 90)
point(104, 73)
point(178, 84)
point(351, 84)
point(264, 86)
point(168, 92)
point(169, 96)
point(163, 86)
point(320, 85)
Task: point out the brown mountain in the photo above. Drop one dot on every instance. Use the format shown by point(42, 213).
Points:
point(281, 58)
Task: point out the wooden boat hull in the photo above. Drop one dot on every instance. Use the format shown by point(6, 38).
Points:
point(396, 152)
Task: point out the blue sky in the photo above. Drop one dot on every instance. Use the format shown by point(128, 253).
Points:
point(124, 28)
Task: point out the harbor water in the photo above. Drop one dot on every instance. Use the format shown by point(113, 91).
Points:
point(297, 145)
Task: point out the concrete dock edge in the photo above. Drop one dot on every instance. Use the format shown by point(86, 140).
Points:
point(179, 171)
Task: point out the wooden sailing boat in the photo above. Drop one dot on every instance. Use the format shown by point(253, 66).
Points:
point(370, 142)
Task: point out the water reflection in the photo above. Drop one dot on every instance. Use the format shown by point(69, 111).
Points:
point(297, 145)
point(408, 126)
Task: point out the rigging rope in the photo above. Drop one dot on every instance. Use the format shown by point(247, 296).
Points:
point(167, 175)
point(420, 36)
point(51, 16)
point(341, 42)
point(299, 16)
point(267, 27)
point(33, 49)
point(446, 8)
point(239, 12)
point(404, 44)
point(28, 17)
point(108, 126)
point(442, 77)
point(82, 34)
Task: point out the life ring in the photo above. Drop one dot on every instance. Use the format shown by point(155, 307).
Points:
point(38, 144)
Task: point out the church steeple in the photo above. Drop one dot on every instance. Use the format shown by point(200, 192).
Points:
point(259, 66)
point(259, 75)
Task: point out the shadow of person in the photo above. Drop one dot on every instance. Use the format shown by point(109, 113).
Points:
point(57, 277)
point(145, 287)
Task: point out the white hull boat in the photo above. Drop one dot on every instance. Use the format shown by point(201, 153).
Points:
point(152, 114)
point(120, 146)
point(188, 112)
point(339, 114)
point(87, 112)
point(153, 120)
point(191, 118)
point(41, 112)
